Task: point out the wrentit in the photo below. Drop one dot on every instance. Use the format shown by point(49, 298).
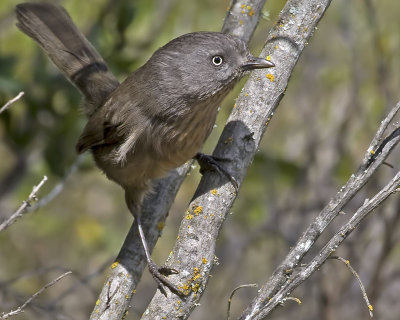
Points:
point(155, 120)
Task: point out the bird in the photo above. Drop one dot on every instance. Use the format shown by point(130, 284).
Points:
point(157, 118)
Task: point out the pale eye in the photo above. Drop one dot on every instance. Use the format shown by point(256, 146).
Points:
point(217, 60)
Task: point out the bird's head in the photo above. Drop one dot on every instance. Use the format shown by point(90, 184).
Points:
point(202, 65)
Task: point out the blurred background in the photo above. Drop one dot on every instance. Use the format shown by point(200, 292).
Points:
point(344, 84)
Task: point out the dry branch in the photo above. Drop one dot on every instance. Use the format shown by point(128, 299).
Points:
point(27, 302)
point(10, 102)
point(194, 251)
point(125, 273)
point(24, 206)
point(298, 278)
point(372, 160)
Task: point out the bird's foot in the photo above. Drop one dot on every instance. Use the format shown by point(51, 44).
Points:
point(159, 274)
point(212, 163)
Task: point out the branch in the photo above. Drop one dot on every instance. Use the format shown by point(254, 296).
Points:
point(326, 216)
point(242, 18)
point(194, 251)
point(125, 273)
point(27, 302)
point(24, 206)
point(59, 187)
point(355, 274)
point(10, 102)
point(326, 251)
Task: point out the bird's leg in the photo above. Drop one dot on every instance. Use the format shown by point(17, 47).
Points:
point(157, 272)
point(209, 162)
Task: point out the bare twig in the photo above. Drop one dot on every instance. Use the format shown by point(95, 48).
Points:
point(325, 252)
point(27, 302)
point(252, 285)
point(10, 102)
point(59, 187)
point(291, 299)
point(354, 272)
point(374, 146)
point(326, 216)
point(24, 206)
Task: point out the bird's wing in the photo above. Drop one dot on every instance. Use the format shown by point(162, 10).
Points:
point(99, 131)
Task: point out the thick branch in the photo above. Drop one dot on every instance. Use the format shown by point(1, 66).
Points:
point(126, 272)
point(193, 253)
point(242, 18)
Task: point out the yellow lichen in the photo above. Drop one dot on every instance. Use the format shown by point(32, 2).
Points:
point(370, 307)
point(97, 302)
point(248, 7)
point(196, 277)
point(161, 225)
point(228, 140)
point(251, 13)
point(271, 77)
point(115, 264)
point(276, 46)
point(214, 191)
point(268, 58)
point(189, 217)
point(204, 260)
point(198, 210)
point(196, 287)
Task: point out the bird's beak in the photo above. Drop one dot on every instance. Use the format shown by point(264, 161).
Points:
point(257, 63)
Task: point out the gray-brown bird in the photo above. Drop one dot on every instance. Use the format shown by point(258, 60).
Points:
point(155, 120)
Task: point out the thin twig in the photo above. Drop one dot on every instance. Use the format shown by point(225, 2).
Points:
point(292, 299)
point(10, 102)
point(24, 206)
point(252, 285)
point(327, 215)
point(27, 302)
point(372, 149)
point(326, 251)
point(354, 272)
point(59, 187)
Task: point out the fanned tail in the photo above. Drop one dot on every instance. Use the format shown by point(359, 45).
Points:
point(52, 28)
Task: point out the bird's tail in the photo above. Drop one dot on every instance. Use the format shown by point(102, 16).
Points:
point(52, 28)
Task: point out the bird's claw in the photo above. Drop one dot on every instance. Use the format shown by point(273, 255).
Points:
point(209, 162)
point(159, 274)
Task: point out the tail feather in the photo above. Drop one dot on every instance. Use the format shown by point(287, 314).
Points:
point(52, 28)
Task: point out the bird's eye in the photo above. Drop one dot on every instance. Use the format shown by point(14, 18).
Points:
point(217, 60)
